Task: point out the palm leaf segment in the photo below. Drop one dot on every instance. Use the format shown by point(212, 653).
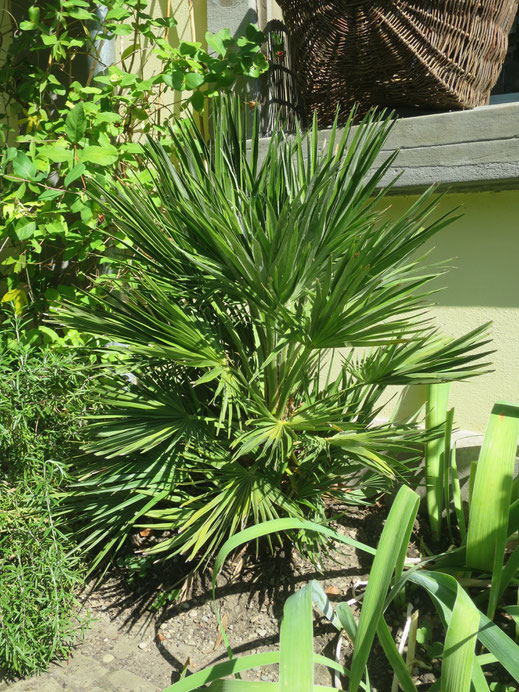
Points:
point(247, 276)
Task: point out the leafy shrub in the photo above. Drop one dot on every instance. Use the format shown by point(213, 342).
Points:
point(250, 276)
point(71, 119)
point(43, 395)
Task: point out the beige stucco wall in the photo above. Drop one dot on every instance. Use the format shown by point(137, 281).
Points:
point(191, 19)
point(482, 286)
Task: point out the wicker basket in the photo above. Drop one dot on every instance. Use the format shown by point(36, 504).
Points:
point(427, 54)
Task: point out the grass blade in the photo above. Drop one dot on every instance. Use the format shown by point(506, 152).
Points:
point(394, 657)
point(443, 590)
point(243, 686)
point(275, 526)
point(249, 686)
point(446, 469)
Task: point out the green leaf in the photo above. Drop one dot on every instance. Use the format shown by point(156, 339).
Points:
point(56, 153)
point(460, 642)
point(219, 41)
point(82, 14)
point(117, 13)
point(24, 229)
point(103, 156)
point(130, 50)
point(27, 26)
point(74, 174)
point(198, 100)
point(443, 590)
point(175, 79)
point(75, 123)
point(194, 80)
point(255, 35)
point(49, 39)
point(107, 117)
point(392, 546)
point(34, 14)
point(436, 412)
point(24, 167)
point(121, 29)
point(220, 670)
point(50, 194)
point(296, 665)
point(490, 503)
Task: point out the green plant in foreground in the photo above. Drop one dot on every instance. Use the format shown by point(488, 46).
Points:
point(43, 395)
point(493, 516)
point(38, 578)
point(464, 624)
point(435, 463)
point(250, 276)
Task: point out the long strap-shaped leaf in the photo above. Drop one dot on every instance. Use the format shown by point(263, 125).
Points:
point(490, 504)
point(296, 665)
point(236, 665)
point(249, 686)
point(443, 590)
point(394, 537)
point(276, 526)
point(460, 642)
point(436, 413)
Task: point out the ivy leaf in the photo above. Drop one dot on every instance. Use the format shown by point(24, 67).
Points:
point(103, 156)
point(75, 123)
point(74, 174)
point(194, 80)
point(24, 167)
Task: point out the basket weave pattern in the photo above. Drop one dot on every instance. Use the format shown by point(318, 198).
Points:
point(432, 54)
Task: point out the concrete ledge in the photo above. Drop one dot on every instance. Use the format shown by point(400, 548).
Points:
point(459, 150)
